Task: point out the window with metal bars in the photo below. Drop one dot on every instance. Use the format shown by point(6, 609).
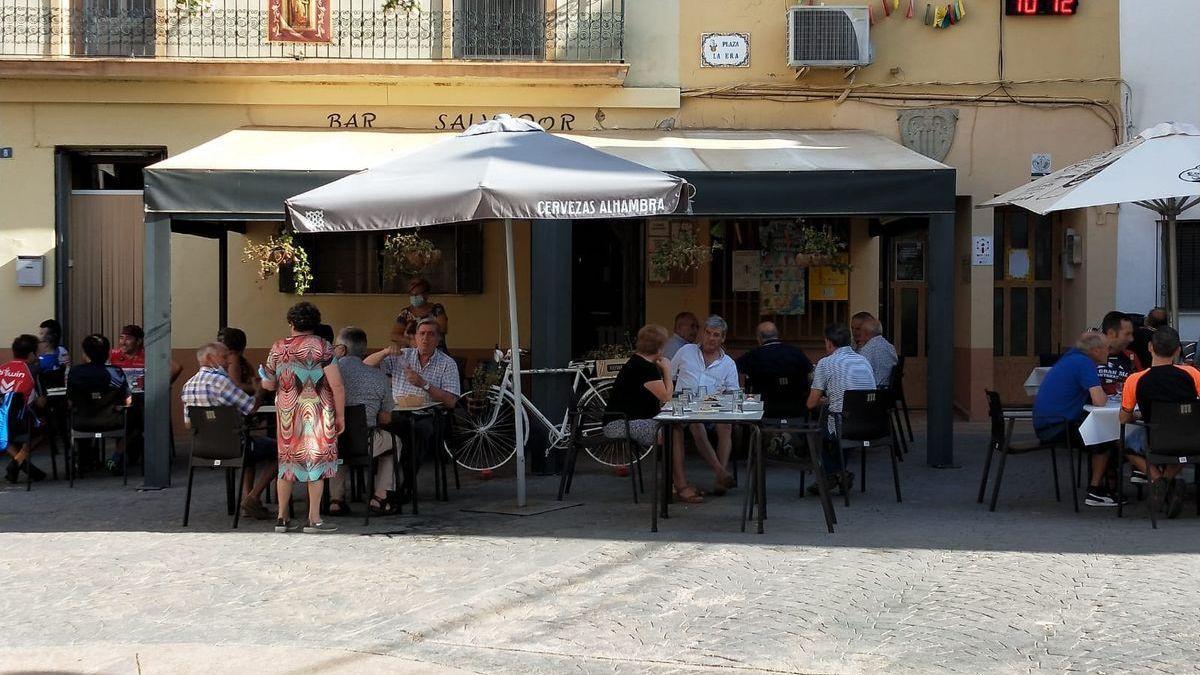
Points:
point(1187, 243)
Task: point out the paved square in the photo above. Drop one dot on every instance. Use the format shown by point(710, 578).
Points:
point(103, 579)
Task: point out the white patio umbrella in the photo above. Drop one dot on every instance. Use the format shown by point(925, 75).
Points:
point(1158, 170)
point(503, 168)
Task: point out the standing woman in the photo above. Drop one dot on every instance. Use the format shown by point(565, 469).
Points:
point(309, 405)
point(420, 307)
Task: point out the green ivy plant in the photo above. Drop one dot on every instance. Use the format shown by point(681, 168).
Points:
point(681, 253)
point(402, 5)
point(408, 255)
point(191, 7)
point(279, 251)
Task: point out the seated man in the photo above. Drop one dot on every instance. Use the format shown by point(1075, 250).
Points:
point(423, 370)
point(1163, 382)
point(211, 386)
point(877, 350)
point(96, 377)
point(1058, 408)
point(840, 371)
point(368, 387)
point(19, 398)
point(705, 368)
point(686, 329)
point(1155, 319)
point(1120, 362)
point(779, 372)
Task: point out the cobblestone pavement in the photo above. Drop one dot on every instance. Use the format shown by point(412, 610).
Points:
point(102, 579)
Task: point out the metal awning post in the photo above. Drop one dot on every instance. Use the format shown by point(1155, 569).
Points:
point(156, 312)
point(939, 436)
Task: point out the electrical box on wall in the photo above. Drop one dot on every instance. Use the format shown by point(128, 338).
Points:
point(1072, 253)
point(31, 270)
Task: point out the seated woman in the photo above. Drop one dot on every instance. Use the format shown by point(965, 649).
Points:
point(237, 366)
point(641, 389)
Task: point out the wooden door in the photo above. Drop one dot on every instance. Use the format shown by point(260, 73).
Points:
point(105, 268)
point(1026, 298)
point(907, 297)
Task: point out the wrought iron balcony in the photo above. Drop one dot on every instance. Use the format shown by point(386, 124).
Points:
point(577, 31)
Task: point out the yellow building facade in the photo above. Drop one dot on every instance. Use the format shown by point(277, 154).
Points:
point(1014, 86)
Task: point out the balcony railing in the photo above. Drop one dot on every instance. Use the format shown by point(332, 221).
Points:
point(530, 30)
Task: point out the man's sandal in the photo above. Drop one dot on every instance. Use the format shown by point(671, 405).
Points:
point(381, 507)
point(689, 494)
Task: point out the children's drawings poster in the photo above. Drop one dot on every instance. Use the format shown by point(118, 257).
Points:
point(782, 290)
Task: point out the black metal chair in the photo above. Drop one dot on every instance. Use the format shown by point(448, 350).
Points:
point(866, 423)
point(1001, 442)
point(356, 453)
point(97, 417)
point(813, 435)
point(219, 441)
point(1172, 439)
point(594, 437)
point(896, 384)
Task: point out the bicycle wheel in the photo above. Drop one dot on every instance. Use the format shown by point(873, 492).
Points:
point(483, 433)
point(591, 423)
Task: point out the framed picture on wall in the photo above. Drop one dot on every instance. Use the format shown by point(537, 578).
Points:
point(659, 230)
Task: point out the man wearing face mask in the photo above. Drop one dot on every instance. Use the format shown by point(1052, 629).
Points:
point(421, 307)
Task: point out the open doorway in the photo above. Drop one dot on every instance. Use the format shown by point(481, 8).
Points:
point(608, 283)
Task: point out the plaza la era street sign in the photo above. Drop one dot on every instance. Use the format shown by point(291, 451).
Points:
point(725, 50)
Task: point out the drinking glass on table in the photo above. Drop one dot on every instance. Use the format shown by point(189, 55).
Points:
point(677, 404)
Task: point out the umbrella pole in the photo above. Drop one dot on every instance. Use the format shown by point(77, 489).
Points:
point(516, 360)
point(1172, 263)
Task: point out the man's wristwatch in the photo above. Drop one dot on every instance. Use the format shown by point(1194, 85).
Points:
point(425, 386)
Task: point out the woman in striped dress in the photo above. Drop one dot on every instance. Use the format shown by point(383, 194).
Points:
point(309, 406)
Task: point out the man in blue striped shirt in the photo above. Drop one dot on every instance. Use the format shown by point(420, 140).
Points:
point(211, 387)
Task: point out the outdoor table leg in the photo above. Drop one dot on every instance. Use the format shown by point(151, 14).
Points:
point(668, 462)
point(658, 454)
point(412, 460)
point(761, 480)
point(751, 478)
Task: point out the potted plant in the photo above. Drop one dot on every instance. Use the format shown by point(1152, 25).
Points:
point(408, 254)
point(483, 380)
point(682, 253)
point(402, 5)
point(279, 251)
point(820, 248)
point(610, 357)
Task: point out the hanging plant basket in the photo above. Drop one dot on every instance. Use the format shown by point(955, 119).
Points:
point(278, 252)
point(821, 248)
point(680, 254)
point(408, 255)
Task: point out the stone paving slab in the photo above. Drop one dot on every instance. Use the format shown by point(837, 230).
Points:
point(933, 584)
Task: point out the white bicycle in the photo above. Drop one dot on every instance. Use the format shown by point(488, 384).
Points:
point(482, 434)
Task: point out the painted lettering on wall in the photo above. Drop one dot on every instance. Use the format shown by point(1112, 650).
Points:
point(364, 120)
point(460, 121)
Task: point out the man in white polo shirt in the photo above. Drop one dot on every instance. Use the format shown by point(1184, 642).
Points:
point(706, 368)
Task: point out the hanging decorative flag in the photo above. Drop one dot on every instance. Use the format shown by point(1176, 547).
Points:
point(950, 16)
point(909, 14)
point(928, 14)
point(871, 11)
point(939, 17)
point(960, 9)
point(887, 8)
point(895, 5)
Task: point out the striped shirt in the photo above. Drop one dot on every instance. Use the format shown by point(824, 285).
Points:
point(882, 356)
point(213, 387)
point(440, 372)
point(843, 370)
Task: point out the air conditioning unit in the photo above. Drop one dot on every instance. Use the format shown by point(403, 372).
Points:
point(829, 37)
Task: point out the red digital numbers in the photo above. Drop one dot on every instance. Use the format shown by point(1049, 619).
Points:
point(1044, 7)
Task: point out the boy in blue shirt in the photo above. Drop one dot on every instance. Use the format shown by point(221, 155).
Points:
point(1058, 409)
